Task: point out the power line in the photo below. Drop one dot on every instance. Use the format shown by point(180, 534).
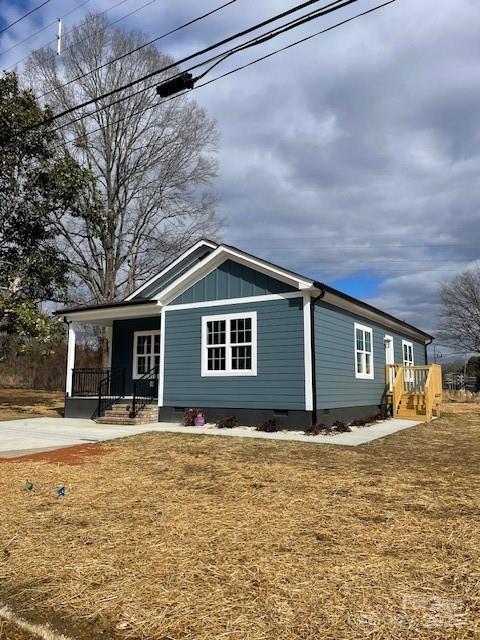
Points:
point(139, 48)
point(35, 33)
point(222, 56)
point(189, 57)
point(25, 15)
point(141, 111)
point(114, 6)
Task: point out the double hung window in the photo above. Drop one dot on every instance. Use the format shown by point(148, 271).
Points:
point(229, 345)
point(363, 352)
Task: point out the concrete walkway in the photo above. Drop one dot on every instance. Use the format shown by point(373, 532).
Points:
point(18, 437)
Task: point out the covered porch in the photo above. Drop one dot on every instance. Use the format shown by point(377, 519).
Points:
point(127, 389)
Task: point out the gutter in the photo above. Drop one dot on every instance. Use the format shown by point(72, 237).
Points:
point(313, 302)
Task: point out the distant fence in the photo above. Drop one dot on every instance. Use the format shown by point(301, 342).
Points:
point(460, 382)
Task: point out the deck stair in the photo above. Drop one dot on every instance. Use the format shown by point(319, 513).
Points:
point(415, 391)
point(122, 414)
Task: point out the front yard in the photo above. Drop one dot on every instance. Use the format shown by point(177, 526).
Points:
point(168, 536)
point(29, 403)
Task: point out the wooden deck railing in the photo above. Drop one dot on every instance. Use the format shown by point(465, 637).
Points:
point(423, 380)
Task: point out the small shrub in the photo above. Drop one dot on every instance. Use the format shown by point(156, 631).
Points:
point(269, 426)
point(358, 422)
point(318, 430)
point(189, 417)
point(340, 427)
point(227, 423)
point(376, 418)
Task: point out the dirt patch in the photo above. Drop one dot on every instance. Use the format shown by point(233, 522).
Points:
point(183, 537)
point(74, 455)
point(28, 403)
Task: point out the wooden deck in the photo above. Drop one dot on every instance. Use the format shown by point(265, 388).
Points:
point(414, 391)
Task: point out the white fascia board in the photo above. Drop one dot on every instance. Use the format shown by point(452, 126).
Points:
point(104, 316)
point(185, 254)
point(228, 301)
point(214, 260)
point(370, 314)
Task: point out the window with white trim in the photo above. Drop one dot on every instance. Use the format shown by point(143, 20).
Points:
point(229, 345)
point(363, 352)
point(146, 352)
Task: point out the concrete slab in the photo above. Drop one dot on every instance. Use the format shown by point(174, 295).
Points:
point(18, 437)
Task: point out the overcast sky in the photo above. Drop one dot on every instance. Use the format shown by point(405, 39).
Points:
point(353, 158)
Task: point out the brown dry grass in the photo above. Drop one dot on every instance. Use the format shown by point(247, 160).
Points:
point(28, 403)
point(173, 537)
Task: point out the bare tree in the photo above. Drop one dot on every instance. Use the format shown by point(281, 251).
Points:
point(460, 311)
point(154, 162)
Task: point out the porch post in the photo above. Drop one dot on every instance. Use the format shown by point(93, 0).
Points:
point(70, 358)
point(161, 368)
point(108, 335)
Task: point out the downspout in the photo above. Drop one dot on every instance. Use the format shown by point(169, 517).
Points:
point(313, 302)
point(427, 344)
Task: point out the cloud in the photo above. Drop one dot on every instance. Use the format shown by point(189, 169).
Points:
point(355, 153)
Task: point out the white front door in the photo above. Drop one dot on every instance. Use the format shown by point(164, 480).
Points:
point(389, 358)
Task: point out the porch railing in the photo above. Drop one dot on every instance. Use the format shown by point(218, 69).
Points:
point(111, 388)
point(145, 391)
point(424, 380)
point(85, 381)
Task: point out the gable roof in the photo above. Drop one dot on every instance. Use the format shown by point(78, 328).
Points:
point(173, 269)
point(205, 256)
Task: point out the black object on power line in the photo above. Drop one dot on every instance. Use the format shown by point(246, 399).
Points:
point(175, 85)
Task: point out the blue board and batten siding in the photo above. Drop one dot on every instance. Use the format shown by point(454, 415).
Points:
point(337, 385)
point(280, 380)
point(232, 280)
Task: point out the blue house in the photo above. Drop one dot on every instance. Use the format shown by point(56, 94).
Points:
point(231, 334)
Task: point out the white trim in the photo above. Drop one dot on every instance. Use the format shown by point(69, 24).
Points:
point(365, 328)
point(114, 313)
point(407, 343)
point(229, 372)
point(161, 370)
point(109, 337)
point(214, 260)
point(70, 359)
point(307, 345)
point(389, 350)
point(150, 332)
point(408, 374)
point(185, 254)
point(226, 301)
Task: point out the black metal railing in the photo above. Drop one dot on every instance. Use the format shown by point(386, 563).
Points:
point(85, 381)
point(145, 391)
point(110, 389)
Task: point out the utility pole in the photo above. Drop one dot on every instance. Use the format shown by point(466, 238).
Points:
point(59, 37)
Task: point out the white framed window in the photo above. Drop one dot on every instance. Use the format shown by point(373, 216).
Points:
point(363, 352)
point(146, 352)
point(229, 345)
